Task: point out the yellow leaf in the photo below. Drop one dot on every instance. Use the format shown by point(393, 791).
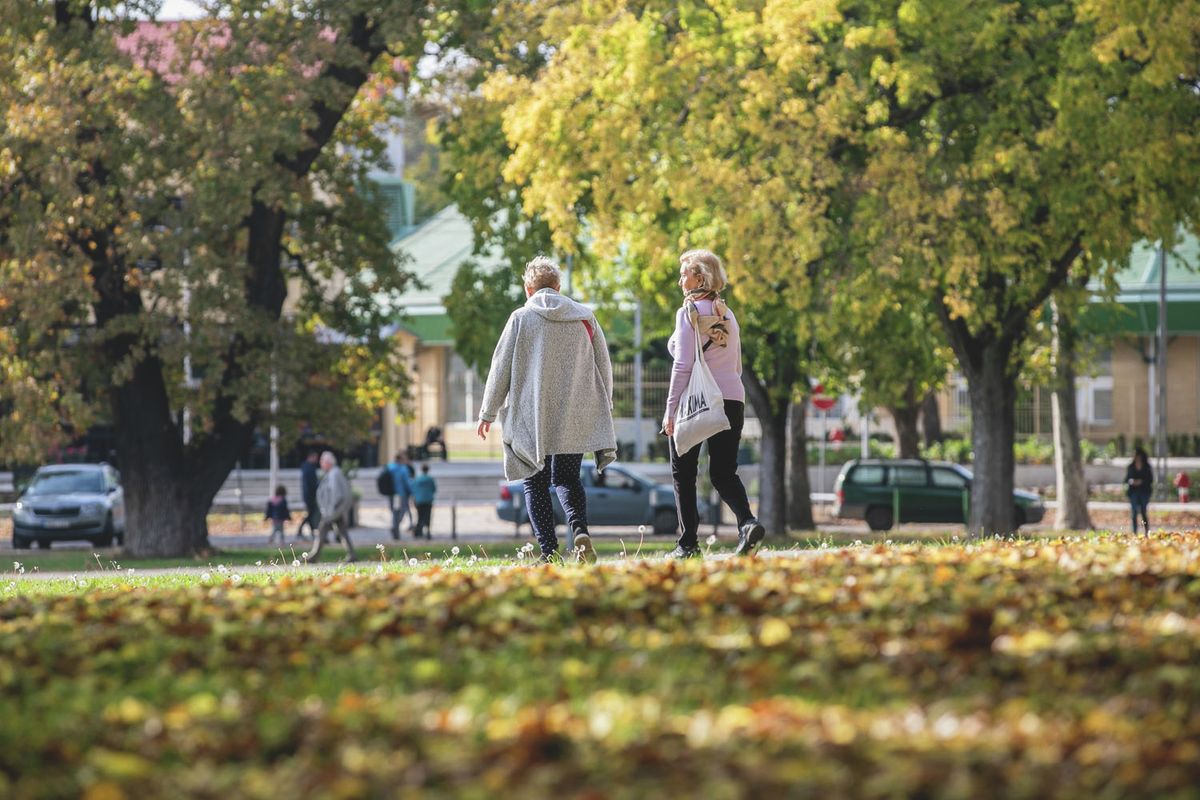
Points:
point(774, 631)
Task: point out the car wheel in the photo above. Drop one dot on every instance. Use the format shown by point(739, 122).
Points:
point(1018, 517)
point(20, 542)
point(105, 539)
point(666, 521)
point(879, 518)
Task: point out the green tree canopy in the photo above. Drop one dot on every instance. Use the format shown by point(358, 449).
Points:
point(196, 193)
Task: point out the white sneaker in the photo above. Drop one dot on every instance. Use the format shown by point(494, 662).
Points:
point(584, 552)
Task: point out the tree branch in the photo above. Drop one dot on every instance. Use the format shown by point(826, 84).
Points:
point(1018, 314)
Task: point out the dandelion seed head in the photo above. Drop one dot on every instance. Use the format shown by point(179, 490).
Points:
point(412, 562)
point(258, 563)
point(711, 540)
point(204, 576)
point(295, 562)
point(454, 550)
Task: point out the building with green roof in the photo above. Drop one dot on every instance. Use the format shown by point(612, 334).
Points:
point(1115, 394)
point(1119, 398)
point(445, 393)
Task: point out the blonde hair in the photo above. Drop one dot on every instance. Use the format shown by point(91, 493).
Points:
point(705, 265)
point(542, 273)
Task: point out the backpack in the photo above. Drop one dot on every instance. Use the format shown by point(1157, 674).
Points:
point(384, 482)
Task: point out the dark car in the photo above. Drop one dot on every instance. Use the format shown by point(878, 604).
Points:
point(617, 496)
point(70, 501)
point(884, 492)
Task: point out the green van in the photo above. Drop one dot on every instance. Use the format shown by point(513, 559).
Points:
point(884, 492)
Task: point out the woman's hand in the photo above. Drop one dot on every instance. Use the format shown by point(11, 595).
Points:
point(482, 430)
point(669, 427)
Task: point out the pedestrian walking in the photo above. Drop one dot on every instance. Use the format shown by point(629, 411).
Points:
point(310, 477)
point(1139, 483)
point(552, 376)
point(278, 513)
point(424, 489)
point(705, 315)
point(401, 500)
point(334, 501)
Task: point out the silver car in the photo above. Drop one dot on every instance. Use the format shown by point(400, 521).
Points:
point(618, 496)
point(70, 501)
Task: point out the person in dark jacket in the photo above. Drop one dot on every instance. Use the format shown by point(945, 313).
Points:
point(278, 513)
point(1139, 482)
point(309, 479)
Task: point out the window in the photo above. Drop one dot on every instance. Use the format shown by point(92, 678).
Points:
point(1097, 391)
point(612, 479)
point(908, 476)
point(948, 479)
point(1102, 401)
point(867, 475)
point(464, 391)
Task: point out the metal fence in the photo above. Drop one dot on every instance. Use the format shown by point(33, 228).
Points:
point(1032, 412)
point(656, 381)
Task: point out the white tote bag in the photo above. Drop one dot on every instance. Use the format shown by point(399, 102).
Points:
point(701, 411)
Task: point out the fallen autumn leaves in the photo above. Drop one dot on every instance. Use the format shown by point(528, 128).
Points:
point(997, 669)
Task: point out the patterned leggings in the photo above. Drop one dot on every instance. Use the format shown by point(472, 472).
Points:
point(561, 472)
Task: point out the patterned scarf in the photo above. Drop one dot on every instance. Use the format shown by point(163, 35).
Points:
point(713, 326)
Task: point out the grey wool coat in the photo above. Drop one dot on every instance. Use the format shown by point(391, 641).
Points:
point(334, 496)
point(557, 380)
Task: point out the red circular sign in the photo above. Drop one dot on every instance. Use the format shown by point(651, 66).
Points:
point(824, 403)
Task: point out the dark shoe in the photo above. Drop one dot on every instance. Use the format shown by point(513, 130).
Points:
point(680, 553)
point(748, 537)
point(550, 558)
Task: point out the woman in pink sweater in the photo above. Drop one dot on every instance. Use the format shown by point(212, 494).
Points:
point(701, 278)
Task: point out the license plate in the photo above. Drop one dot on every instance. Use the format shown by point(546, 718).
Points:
point(58, 523)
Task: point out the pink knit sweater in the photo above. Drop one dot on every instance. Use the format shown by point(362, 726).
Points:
point(725, 363)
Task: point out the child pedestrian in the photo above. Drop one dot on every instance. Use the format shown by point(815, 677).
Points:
point(278, 513)
point(424, 487)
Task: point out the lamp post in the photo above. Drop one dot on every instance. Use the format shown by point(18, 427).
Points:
point(1160, 430)
point(639, 436)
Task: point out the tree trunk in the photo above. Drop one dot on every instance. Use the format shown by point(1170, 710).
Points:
point(1072, 512)
point(799, 492)
point(772, 472)
point(168, 488)
point(931, 419)
point(993, 392)
point(908, 441)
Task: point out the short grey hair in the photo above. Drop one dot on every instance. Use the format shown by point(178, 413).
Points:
point(329, 456)
point(705, 265)
point(542, 273)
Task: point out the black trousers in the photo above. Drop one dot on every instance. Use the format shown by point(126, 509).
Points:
point(424, 512)
point(722, 470)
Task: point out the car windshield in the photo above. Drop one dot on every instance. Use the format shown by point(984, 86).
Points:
point(81, 482)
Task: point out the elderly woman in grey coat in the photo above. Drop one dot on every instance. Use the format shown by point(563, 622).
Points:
point(552, 375)
point(334, 498)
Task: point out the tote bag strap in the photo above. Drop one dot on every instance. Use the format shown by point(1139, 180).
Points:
point(693, 315)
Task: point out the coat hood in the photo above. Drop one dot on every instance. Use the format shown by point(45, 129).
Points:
point(557, 307)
